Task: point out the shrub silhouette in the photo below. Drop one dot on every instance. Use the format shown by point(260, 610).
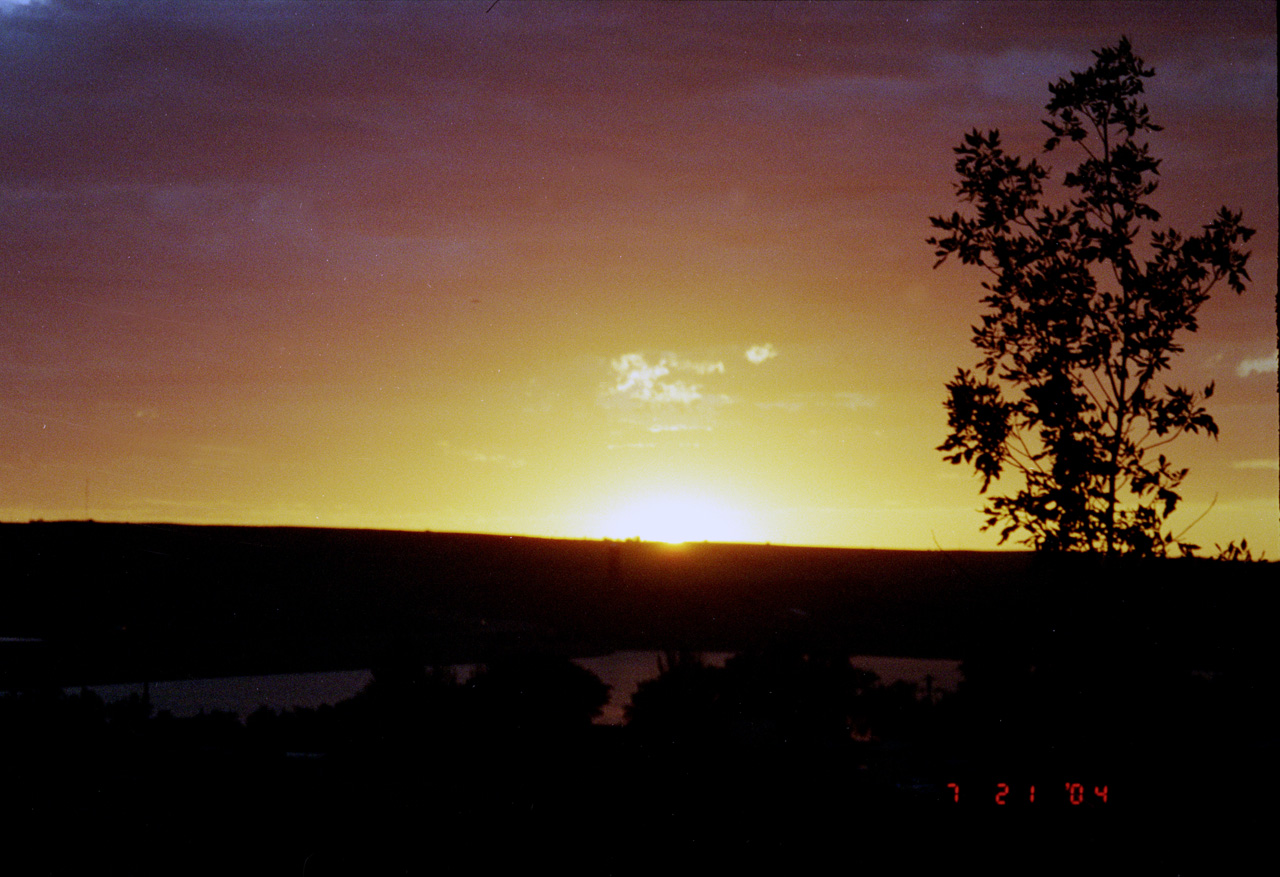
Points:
point(538, 695)
point(682, 704)
point(774, 698)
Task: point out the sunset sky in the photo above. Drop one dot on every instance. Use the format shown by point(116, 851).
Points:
point(565, 269)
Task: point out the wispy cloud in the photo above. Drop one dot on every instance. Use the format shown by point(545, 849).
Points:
point(760, 352)
point(1262, 365)
point(678, 427)
point(794, 403)
point(854, 400)
point(1264, 463)
point(791, 406)
point(474, 456)
point(701, 368)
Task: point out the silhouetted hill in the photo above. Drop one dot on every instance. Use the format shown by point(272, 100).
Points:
point(129, 601)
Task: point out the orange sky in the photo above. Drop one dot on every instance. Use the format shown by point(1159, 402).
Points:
point(564, 269)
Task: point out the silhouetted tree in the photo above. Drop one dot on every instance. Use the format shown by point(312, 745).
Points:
point(537, 694)
point(683, 703)
point(1085, 308)
point(404, 706)
point(772, 698)
point(793, 697)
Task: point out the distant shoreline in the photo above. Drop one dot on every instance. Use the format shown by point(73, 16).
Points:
point(119, 602)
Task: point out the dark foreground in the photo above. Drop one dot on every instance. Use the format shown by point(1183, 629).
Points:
point(1134, 701)
point(405, 782)
point(416, 775)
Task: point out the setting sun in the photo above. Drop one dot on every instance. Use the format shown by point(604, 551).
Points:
point(572, 287)
point(677, 518)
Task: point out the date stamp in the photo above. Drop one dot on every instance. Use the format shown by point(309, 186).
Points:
point(1072, 794)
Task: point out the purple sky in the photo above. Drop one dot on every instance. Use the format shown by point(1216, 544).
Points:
point(432, 265)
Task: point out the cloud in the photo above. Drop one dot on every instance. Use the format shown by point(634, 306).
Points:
point(854, 400)
point(798, 401)
point(677, 391)
point(791, 406)
point(638, 379)
point(480, 457)
point(760, 353)
point(1271, 465)
point(1262, 365)
point(676, 427)
point(664, 393)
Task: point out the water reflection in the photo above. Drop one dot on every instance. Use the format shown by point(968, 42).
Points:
point(623, 671)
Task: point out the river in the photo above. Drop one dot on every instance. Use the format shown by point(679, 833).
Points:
point(623, 671)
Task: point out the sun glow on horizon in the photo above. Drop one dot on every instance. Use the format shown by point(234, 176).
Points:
point(677, 518)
